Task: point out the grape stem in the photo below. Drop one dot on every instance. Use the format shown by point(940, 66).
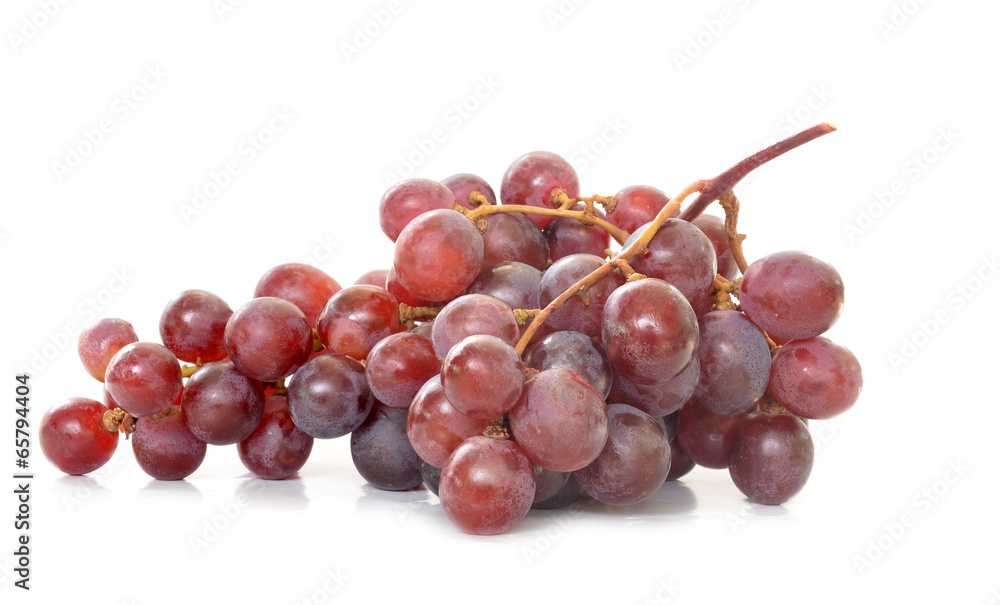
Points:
point(715, 188)
point(731, 205)
point(408, 313)
point(708, 191)
point(562, 203)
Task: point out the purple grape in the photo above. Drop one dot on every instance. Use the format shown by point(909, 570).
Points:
point(815, 378)
point(381, 451)
point(735, 363)
point(771, 457)
point(573, 351)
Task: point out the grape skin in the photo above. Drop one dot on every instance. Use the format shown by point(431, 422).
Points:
point(221, 404)
point(649, 331)
point(575, 315)
point(680, 254)
point(567, 236)
point(771, 457)
point(715, 229)
point(438, 255)
point(815, 378)
point(381, 451)
point(486, 486)
point(513, 237)
point(164, 446)
point(268, 338)
point(73, 438)
point(514, 283)
point(305, 286)
point(530, 179)
point(193, 326)
point(329, 397)
point(635, 460)
point(276, 449)
point(99, 342)
point(435, 427)
point(704, 435)
point(463, 184)
point(638, 205)
point(407, 200)
point(560, 422)
point(735, 363)
point(470, 315)
point(399, 365)
point(482, 376)
point(144, 378)
point(658, 399)
point(355, 319)
point(792, 295)
point(573, 351)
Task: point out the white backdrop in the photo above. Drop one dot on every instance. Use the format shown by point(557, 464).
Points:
point(150, 149)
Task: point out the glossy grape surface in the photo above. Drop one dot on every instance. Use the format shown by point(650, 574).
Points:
point(771, 457)
point(435, 428)
point(164, 446)
point(461, 185)
point(657, 399)
point(735, 363)
point(99, 342)
point(473, 314)
point(277, 448)
point(144, 378)
point(815, 378)
point(356, 318)
point(637, 205)
point(530, 179)
point(487, 486)
point(715, 228)
point(482, 376)
point(305, 286)
point(329, 397)
point(268, 338)
point(193, 326)
point(381, 451)
point(573, 351)
point(704, 435)
point(438, 255)
point(221, 404)
point(575, 315)
point(399, 365)
point(73, 438)
point(680, 254)
point(407, 200)
point(513, 237)
point(567, 236)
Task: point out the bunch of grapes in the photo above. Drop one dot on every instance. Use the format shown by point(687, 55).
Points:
point(508, 360)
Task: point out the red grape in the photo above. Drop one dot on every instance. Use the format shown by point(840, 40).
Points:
point(574, 351)
point(73, 438)
point(704, 435)
point(715, 229)
point(567, 236)
point(464, 184)
point(407, 200)
point(276, 449)
point(514, 283)
point(438, 255)
point(398, 366)
point(681, 255)
point(487, 486)
point(375, 277)
point(473, 314)
point(99, 342)
point(193, 326)
point(815, 378)
point(560, 422)
point(771, 457)
point(165, 447)
point(435, 428)
point(482, 376)
point(356, 318)
point(532, 177)
point(305, 286)
point(637, 205)
point(792, 295)
point(735, 363)
point(329, 397)
point(575, 315)
point(268, 338)
point(222, 405)
point(658, 399)
point(513, 237)
point(144, 378)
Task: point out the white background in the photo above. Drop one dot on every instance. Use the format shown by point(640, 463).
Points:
point(690, 88)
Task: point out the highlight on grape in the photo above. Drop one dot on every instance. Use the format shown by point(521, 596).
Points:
point(512, 357)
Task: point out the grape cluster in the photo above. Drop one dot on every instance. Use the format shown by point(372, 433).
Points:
point(509, 359)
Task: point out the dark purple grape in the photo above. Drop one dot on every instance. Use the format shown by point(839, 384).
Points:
point(679, 254)
point(438, 255)
point(99, 342)
point(165, 447)
point(193, 326)
point(463, 184)
point(470, 315)
point(305, 286)
point(431, 476)
point(715, 228)
point(487, 486)
point(513, 237)
point(516, 284)
point(560, 422)
point(276, 449)
point(482, 376)
point(268, 338)
point(638, 205)
point(792, 295)
point(531, 178)
point(735, 363)
point(144, 378)
point(221, 404)
point(680, 463)
point(381, 451)
point(399, 365)
point(73, 438)
point(815, 378)
point(407, 200)
point(329, 397)
point(566, 495)
point(573, 351)
point(575, 315)
point(649, 331)
point(634, 462)
point(771, 457)
point(657, 399)
point(435, 428)
point(704, 435)
point(548, 482)
point(567, 236)
point(356, 318)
